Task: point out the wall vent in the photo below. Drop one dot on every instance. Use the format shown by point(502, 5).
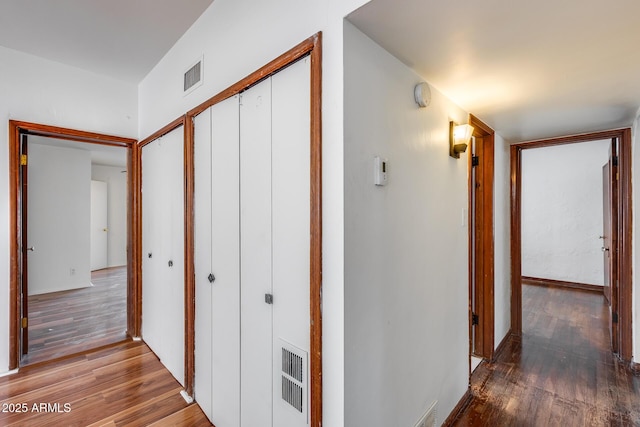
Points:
point(192, 77)
point(294, 377)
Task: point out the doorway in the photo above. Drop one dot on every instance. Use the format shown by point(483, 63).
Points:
point(619, 241)
point(54, 209)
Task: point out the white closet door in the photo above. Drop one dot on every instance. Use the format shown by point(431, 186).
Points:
point(203, 385)
point(225, 251)
point(255, 237)
point(151, 250)
point(291, 241)
point(163, 250)
point(173, 263)
point(217, 247)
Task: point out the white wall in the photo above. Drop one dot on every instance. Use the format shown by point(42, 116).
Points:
point(237, 37)
point(502, 240)
point(41, 91)
point(59, 212)
point(116, 212)
point(562, 212)
point(406, 259)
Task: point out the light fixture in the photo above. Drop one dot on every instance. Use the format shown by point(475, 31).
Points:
point(459, 137)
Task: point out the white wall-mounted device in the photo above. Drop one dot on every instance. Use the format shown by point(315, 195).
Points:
point(379, 171)
point(422, 94)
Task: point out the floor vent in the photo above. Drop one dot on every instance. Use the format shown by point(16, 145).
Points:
point(193, 77)
point(294, 377)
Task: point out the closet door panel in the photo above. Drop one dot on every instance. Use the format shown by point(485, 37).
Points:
point(173, 263)
point(225, 251)
point(151, 245)
point(203, 386)
point(255, 238)
point(291, 233)
point(163, 239)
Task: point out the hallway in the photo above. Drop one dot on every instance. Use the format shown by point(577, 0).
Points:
point(563, 372)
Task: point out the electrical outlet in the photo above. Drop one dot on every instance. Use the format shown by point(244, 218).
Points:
point(72, 271)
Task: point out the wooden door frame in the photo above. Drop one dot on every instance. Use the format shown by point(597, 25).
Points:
point(625, 238)
point(311, 47)
point(16, 130)
point(482, 225)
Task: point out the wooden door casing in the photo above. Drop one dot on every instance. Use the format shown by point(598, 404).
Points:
point(606, 231)
point(24, 286)
point(621, 248)
point(481, 242)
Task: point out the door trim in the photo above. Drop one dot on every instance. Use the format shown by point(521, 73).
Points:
point(16, 129)
point(483, 249)
point(624, 212)
point(311, 47)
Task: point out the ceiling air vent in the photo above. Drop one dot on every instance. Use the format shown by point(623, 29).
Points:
point(192, 77)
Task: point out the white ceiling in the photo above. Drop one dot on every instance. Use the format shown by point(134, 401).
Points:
point(532, 69)
point(529, 69)
point(123, 39)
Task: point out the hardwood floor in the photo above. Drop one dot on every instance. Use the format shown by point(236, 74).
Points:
point(562, 373)
point(68, 322)
point(123, 385)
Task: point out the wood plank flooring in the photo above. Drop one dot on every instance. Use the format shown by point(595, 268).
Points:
point(562, 373)
point(68, 322)
point(123, 385)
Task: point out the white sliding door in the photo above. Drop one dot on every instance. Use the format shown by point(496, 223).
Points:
point(163, 250)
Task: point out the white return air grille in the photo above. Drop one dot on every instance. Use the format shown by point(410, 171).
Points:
point(294, 377)
point(192, 77)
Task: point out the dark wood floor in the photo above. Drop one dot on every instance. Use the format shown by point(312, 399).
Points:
point(68, 322)
point(123, 385)
point(562, 373)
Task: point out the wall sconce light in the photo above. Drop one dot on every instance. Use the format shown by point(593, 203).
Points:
point(459, 137)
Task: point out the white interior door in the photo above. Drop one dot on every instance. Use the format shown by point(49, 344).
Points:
point(163, 250)
point(252, 197)
point(151, 248)
point(217, 245)
point(255, 253)
point(203, 385)
point(291, 243)
point(99, 230)
point(173, 263)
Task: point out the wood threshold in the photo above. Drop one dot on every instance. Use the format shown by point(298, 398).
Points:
point(66, 357)
point(17, 128)
point(536, 281)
